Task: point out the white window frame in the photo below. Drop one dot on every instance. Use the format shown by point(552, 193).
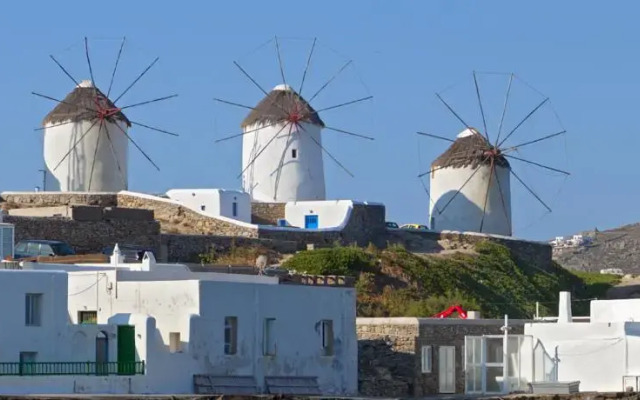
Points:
point(426, 359)
point(33, 309)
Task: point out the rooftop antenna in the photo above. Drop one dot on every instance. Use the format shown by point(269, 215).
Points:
point(104, 124)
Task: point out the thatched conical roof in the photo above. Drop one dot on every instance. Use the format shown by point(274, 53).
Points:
point(277, 105)
point(468, 150)
point(78, 104)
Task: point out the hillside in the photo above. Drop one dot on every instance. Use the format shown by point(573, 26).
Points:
point(394, 282)
point(614, 248)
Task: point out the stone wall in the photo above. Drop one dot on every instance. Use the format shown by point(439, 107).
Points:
point(266, 213)
point(390, 352)
point(176, 219)
point(536, 253)
point(386, 358)
point(87, 236)
point(187, 248)
point(52, 199)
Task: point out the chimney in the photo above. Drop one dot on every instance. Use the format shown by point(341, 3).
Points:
point(564, 308)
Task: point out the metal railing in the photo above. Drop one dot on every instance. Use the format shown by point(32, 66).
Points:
point(72, 368)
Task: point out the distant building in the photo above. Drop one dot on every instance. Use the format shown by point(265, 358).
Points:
point(234, 204)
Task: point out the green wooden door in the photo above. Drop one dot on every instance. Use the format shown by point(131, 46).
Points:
point(126, 350)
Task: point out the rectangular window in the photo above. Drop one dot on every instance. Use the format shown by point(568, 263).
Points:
point(87, 317)
point(426, 359)
point(203, 207)
point(269, 342)
point(33, 312)
point(327, 337)
point(175, 346)
point(294, 153)
point(234, 210)
point(230, 335)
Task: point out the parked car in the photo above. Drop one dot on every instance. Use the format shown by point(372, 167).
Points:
point(391, 225)
point(48, 248)
point(132, 253)
point(415, 227)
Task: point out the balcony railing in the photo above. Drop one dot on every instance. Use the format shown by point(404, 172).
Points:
point(72, 368)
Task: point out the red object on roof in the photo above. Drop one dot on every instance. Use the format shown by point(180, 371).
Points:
point(462, 313)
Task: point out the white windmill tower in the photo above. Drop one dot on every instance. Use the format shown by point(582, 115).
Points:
point(86, 138)
point(470, 187)
point(282, 151)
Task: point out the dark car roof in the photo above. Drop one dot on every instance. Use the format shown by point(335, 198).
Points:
point(42, 241)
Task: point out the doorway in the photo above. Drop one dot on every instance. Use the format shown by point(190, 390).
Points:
point(447, 369)
point(126, 350)
point(102, 353)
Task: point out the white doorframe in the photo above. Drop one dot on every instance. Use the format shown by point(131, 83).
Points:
point(447, 369)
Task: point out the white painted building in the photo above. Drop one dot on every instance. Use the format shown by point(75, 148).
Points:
point(460, 179)
point(242, 333)
point(318, 214)
point(82, 154)
point(281, 149)
point(233, 204)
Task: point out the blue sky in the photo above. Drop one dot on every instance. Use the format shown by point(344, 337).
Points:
point(580, 54)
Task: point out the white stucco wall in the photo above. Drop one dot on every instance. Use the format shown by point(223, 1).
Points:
point(74, 172)
point(215, 202)
point(595, 354)
point(276, 176)
point(331, 213)
point(465, 211)
point(615, 310)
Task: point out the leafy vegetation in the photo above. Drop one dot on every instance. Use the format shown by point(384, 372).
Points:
point(395, 282)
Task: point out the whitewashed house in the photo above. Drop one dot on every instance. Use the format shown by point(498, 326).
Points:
point(328, 214)
point(178, 331)
point(234, 204)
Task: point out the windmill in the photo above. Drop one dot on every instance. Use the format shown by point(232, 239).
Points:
point(470, 187)
point(282, 151)
point(86, 136)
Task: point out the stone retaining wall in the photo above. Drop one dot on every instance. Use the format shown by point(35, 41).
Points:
point(52, 199)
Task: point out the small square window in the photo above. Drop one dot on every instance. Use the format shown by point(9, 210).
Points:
point(33, 312)
point(426, 359)
point(230, 335)
point(294, 153)
point(203, 207)
point(87, 317)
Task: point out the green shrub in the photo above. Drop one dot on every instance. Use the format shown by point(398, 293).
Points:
point(348, 261)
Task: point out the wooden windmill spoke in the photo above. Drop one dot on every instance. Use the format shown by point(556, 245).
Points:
point(435, 136)
point(250, 78)
point(280, 61)
point(459, 190)
point(325, 150)
point(149, 101)
point(53, 126)
point(281, 163)
point(245, 133)
point(153, 128)
point(523, 121)
point(86, 51)
point(534, 141)
point(504, 204)
point(504, 109)
point(430, 171)
point(492, 171)
point(95, 121)
point(426, 190)
point(95, 153)
point(452, 111)
point(530, 190)
point(306, 68)
point(143, 73)
point(137, 147)
point(348, 133)
point(62, 102)
point(484, 121)
point(263, 149)
point(231, 103)
point(115, 158)
point(537, 164)
point(115, 67)
point(64, 70)
point(345, 104)
point(330, 80)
